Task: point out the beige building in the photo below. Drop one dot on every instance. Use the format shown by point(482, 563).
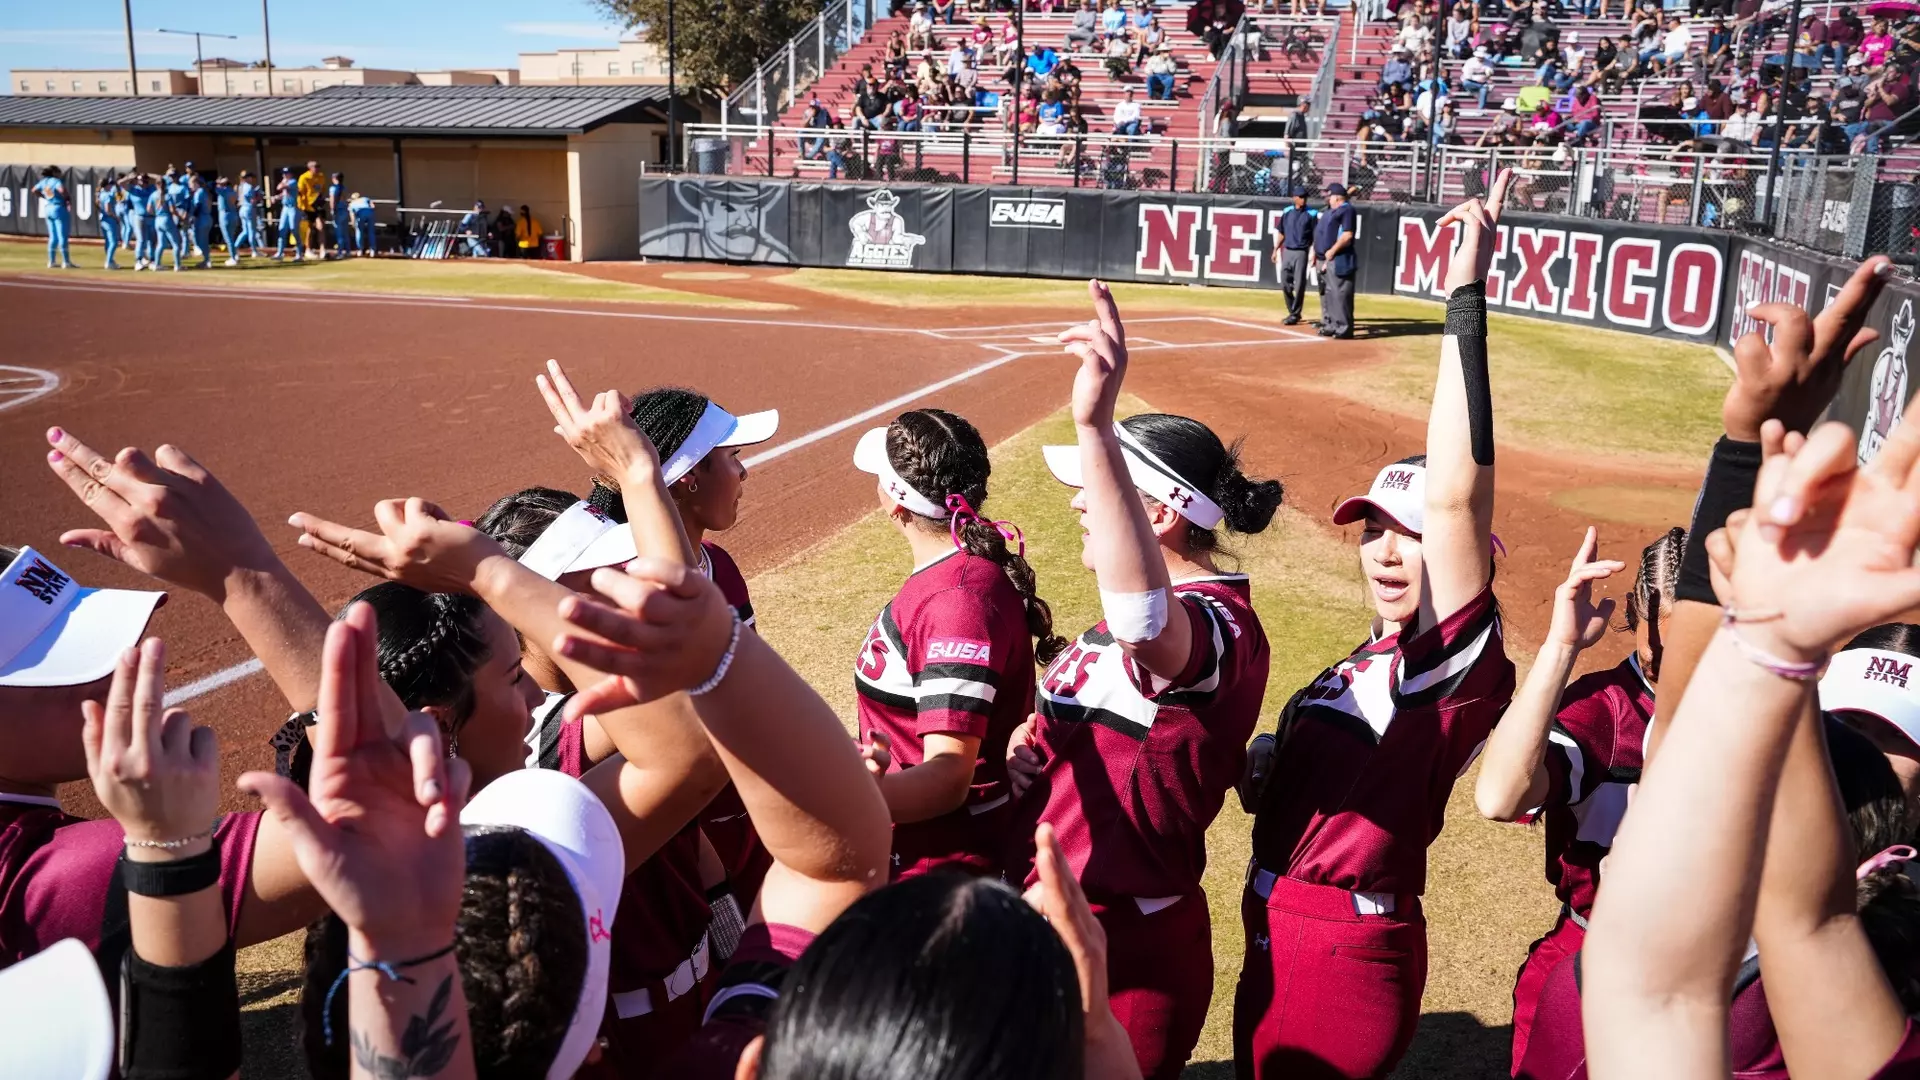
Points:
point(221, 77)
point(632, 62)
point(108, 82)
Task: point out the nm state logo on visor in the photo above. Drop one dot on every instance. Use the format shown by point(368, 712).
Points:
point(1397, 480)
point(880, 236)
point(1887, 670)
point(42, 581)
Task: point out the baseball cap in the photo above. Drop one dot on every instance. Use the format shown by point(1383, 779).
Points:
point(568, 820)
point(1876, 682)
point(1337, 188)
point(1510, 105)
point(870, 456)
point(580, 538)
point(1399, 491)
point(1690, 103)
point(1149, 474)
point(717, 428)
point(54, 1015)
point(53, 632)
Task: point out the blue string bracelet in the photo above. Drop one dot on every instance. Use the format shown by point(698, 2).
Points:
point(390, 970)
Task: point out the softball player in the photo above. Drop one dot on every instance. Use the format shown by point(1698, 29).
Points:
point(946, 672)
point(108, 200)
point(1368, 752)
point(1571, 757)
point(1143, 722)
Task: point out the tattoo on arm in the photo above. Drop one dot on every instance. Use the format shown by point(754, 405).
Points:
point(425, 1049)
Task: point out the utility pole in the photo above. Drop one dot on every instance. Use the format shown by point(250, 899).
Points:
point(133, 65)
point(673, 95)
point(1019, 77)
point(266, 36)
point(1779, 116)
point(199, 59)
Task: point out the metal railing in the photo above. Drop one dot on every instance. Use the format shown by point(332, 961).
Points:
point(780, 79)
point(957, 154)
point(1227, 84)
point(1320, 98)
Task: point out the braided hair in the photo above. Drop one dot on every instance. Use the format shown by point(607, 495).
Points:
point(517, 520)
point(940, 454)
point(1197, 456)
point(1659, 572)
point(429, 646)
point(666, 415)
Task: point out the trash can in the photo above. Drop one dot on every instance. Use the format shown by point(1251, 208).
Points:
point(554, 247)
point(710, 156)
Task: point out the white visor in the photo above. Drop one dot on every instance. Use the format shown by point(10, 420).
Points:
point(1149, 474)
point(1398, 491)
point(54, 1016)
point(871, 457)
point(570, 821)
point(581, 538)
point(55, 633)
point(1875, 682)
point(717, 428)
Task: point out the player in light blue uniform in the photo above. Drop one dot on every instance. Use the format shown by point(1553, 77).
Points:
point(253, 226)
point(57, 209)
point(140, 191)
point(166, 226)
point(129, 214)
point(287, 193)
point(362, 208)
point(200, 217)
point(342, 216)
point(107, 198)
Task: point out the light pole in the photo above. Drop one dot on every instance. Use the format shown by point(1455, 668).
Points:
point(673, 95)
point(133, 65)
point(266, 37)
point(199, 59)
point(1779, 113)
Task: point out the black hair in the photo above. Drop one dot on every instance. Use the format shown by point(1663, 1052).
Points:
point(666, 415)
point(939, 977)
point(429, 646)
point(1878, 817)
point(1196, 455)
point(517, 520)
point(522, 944)
point(1654, 582)
point(7, 555)
point(51, 170)
point(941, 454)
point(1888, 637)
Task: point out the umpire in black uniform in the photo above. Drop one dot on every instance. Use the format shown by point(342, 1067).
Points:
point(1296, 240)
point(1333, 256)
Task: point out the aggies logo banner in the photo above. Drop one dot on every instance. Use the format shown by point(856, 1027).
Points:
point(1620, 277)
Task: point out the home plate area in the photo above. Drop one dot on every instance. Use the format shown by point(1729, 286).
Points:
point(1146, 333)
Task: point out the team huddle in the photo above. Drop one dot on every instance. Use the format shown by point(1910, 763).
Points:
point(548, 805)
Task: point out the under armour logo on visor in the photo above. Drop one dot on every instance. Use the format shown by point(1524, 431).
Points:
point(1180, 496)
point(43, 582)
point(597, 930)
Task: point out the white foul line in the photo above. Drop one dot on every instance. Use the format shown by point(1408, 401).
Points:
point(180, 695)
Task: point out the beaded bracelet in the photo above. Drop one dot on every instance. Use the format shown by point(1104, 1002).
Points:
point(726, 661)
point(1796, 670)
point(175, 845)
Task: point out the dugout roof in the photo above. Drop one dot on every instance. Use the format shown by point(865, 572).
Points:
point(380, 111)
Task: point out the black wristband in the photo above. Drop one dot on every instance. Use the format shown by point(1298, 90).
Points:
point(1728, 486)
point(1467, 310)
point(181, 877)
point(179, 1023)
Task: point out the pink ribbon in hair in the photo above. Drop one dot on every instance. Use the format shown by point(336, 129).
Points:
point(959, 511)
point(1893, 856)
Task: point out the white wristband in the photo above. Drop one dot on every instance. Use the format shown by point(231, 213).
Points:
point(1135, 617)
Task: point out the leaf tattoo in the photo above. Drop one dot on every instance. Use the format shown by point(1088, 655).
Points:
point(424, 1049)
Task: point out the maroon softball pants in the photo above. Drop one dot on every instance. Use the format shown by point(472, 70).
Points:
point(1562, 941)
point(1159, 978)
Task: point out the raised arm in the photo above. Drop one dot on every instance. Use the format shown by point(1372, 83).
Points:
point(1513, 772)
point(802, 780)
point(1127, 563)
point(1457, 544)
point(606, 438)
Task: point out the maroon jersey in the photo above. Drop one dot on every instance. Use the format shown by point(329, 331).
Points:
point(56, 871)
point(1905, 1063)
point(1369, 752)
point(1136, 766)
point(1593, 757)
point(725, 819)
point(741, 1001)
point(950, 655)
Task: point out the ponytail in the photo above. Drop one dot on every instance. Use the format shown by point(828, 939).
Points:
point(980, 537)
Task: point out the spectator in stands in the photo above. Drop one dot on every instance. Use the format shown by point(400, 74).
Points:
point(1674, 45)
point(1699, 124)
point(981, 37)
point(1716, 102)
point(1546, 64)
point(1008, 43)
point(1742, 127)
point(1476, 77)
point(1113, 22)
point(1147, 39)
point(1583, 116)
point(944, 11)
point(1126, 114)
point(1076, 133)
point(1810, 45)
point(1877, 44)
point(1066, 76)
point(886, 151)
point(1611, 64)
point(1040, 62)
point(896, 55)
point(813, 145)
point(959, 58)
point(1661, 118)
point(1085, 30)
point(869, 105)
point(1052, 115)
point(1844, 34)
point(1887, 98)
point(1538, 32)
point(1413, 36)
point(1854, 78)
point(927, 79)
point(908, 111)
point(1398, 70)
point(1119, 61)
point(1505, 124)
point(1462, 26)
point(920, 29)
point(839, 150)
point(1161, 69)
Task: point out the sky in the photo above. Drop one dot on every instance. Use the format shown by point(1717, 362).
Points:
point(420, 35)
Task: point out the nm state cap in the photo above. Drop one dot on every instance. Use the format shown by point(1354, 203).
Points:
point(570, 821)
point(1876, 682)
point(54, 1017)
point(1398, 491)
point(53, 632)
point(718, 427)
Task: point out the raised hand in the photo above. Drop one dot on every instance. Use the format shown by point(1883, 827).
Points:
point(1795, 376)
point(378, 830)
point(663, 628)
point(1578, 622)
point(154, 771)
point(603, 433)
point(1478, 225)
point(1828, 549)
point(165, 515)
point(1101, 346)
point(417, 544)
point(1023, 761)
point(1058, 896)
point(877, 753)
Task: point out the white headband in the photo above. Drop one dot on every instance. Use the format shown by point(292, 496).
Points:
point(1876, 682)
point(716, 428)
point(1149, 474)
point(581, 538)
point(871, 457)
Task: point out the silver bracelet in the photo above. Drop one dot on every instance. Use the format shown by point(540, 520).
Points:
point(175, 845)
point(726, 661)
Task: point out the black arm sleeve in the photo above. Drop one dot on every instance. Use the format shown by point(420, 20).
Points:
point(179, 1023)
point(1467, 321)
point(1728, 486)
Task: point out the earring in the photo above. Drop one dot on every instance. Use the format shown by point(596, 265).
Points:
point(453, 744)
point(693, 487)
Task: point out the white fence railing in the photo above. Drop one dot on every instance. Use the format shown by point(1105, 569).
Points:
point(780, 79)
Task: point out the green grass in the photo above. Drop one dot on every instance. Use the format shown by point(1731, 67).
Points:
point(1489, 897)
point(504, 278)
point(950, 290)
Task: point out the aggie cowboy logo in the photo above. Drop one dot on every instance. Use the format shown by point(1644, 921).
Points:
point(1887, 394)
point(880, 236)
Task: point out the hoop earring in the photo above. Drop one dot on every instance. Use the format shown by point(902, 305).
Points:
point(693, 487)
